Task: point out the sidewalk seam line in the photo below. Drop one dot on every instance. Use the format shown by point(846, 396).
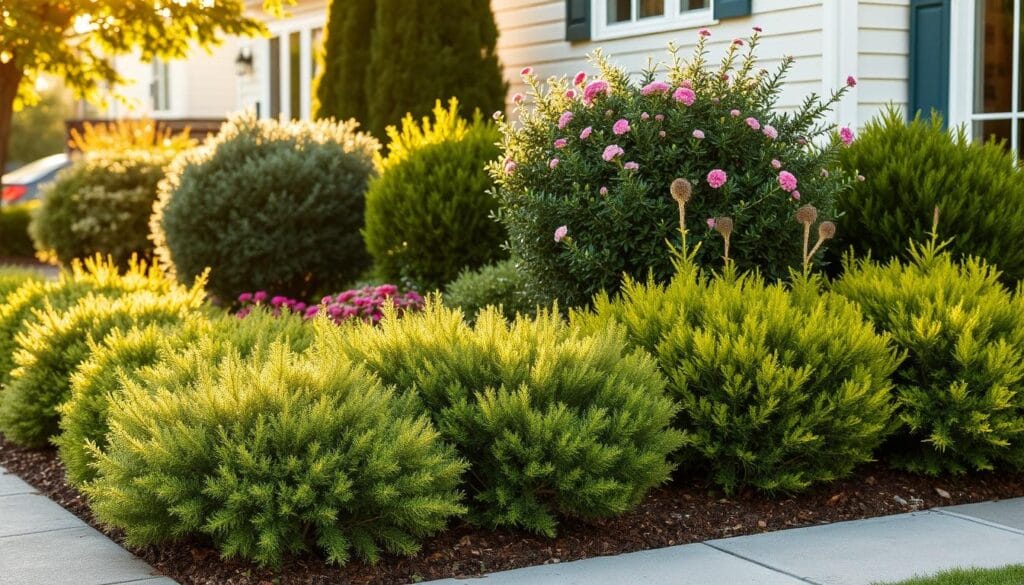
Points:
point(19, 494)
point(42, 531)
point(149, 578)
point(760, 564)
point(981, 521)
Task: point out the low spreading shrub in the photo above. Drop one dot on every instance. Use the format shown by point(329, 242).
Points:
point(365, 303)
point(551, 422)
point(96, 275)
point(778, 390)
point(428, 215)
point(11, 279)
point(268, 206)
point(14, 221)
point(499, 285)
point(960, 391)
point(49, 351)
point(909, 169)
point(275, 455)
point(583, 183)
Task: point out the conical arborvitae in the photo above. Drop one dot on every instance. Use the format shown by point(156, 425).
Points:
point(340, 87)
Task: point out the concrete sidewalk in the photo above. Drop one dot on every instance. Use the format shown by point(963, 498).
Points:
point(861, 552)
point(44, 544)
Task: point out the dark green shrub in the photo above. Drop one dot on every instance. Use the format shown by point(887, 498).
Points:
point(125, 355)
point(960, 391)
point(500, 285)
point(551, 422)
point(779, 390)
point(274, 455)
point(101, 204)
point(12, 278)
point(97, 276)
point(50, 350)
point(910, 169)
point(448, 49)
point(340, 87)
point(268, 206)
point(428, 215)
point(584, 181)
point(14, 221)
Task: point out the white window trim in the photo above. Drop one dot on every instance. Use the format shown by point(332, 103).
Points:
point(673, 19)
point(283, 30)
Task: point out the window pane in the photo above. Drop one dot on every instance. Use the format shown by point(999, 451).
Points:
point(992, 130)
point(316, 38)
point(295, 75)
point(275, 77)
point(618, 11)
point(650, 8)
point(687, 5)
point(993, 69)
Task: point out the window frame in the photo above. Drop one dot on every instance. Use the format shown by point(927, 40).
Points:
point(673, 19)
point(304, 27)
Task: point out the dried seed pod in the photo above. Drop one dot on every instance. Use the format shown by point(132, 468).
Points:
point(807, 214)
point(827, 230)
point(681, 190)
point(723, 225)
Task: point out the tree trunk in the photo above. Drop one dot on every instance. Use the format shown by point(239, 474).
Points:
point(10, 78)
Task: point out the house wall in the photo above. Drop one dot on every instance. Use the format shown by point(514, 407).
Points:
point(882, 55)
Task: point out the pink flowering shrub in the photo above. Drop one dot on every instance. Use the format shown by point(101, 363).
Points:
point(366, 304)
point(621, 141)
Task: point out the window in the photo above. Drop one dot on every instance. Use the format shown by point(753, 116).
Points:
point(616, 18)
point(997, 95)
point(274, 79)
point(159, 87)
point(292, 66)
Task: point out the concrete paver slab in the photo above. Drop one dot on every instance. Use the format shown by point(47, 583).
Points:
point(694, 564)
point(11, 484)
point(885, 549)
point(28, 513)
point(81, 556)
point(1009, 513)
point(153, 581)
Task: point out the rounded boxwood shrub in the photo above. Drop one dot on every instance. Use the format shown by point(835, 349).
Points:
point(274, 455)
point(49, 351)
point(960, 391)
point(14, 221)
point(551, 422)
point(428, 215)
point(909, 169)
point(101, 204)
point(501, 284)
point(268, 206)
point(583, 184)
point(125, 355)
point(778, 390)
point(97, 275)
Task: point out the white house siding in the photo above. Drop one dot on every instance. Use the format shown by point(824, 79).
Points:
point(882, 55)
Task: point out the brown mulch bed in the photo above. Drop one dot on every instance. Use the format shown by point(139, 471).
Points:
point(681, 513)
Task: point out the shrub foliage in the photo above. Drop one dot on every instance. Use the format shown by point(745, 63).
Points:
point(501, 284)
point(14, 221)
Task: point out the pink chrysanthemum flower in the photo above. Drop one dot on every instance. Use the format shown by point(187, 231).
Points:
point(631, 166)
point(787, 181)
point(704, 32)
point(753, 123)
point(659, 117)
point(612, 151)
point(621, 127)
point(645, 116)
point(776, 164)
point(561, 143)
point(738, 42)
point(553, 163)
point(595, 89)
point(770, 131)
point(716, 178)
point(846, 135)
point(795, 194)
point(510, 166)
point(662, 134)
point(526, 71)
point(564, 120)
point(580, 78)
point(851, 81)
point(603, 190)
point(585, 133)
point(734, 113)
point(685, 96)
point(698, 134)
point(560, 233)
point(656, 87)
point(570, 93)
point(711, 223)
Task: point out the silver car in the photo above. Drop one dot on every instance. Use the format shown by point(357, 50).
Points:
point(22, 184)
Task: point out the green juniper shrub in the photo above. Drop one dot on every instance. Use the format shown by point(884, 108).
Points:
point(500, 285)
point(97, 275)
point(583, 182)
point(12, 278)
point(909, 169)
point(126, 355)
point(49, 351)
point(274, 455)
point(340, 87)
point(960, 391)
point(14, 221)
point(268, 206)
point(428, 215)
point(552, 422)
point(779, 389)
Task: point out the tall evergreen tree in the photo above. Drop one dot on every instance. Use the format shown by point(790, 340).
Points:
point(424, 51)
point(339, 89)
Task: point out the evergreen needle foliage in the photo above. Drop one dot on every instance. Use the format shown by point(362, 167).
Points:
point(551, 421)
point(274, 455)
point(961, 390)
point(779, 389)
point(11, 279)
point(501, 284)
point(340, 87)
point(126, 355)
point(50, 350)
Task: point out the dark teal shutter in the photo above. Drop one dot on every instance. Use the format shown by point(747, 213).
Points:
point(577, 20)
point(929, 57)
point(731, 8)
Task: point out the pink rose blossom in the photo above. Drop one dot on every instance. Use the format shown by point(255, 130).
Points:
point(560, 233)
point(704, 32)
point(776, 164)
point(846, 135)
point(585, 133)
point(698, 134)
point(612, 151)
point(685, 96)
point(595, 89)
point(851, 81)
point(631, 166)
point(770, 131)
point(659, 117)
point(795, 194)
point(753, 123)
point(570, 93)
point(717, 178)
point(553, 163)
point(787, 181)
point(603, 190)
point(621, 127)
point(656, 87)
point(561, 143)
point(526, 71)
point(564, 120)
point(580, 78)
point(734, 113)
point(645, 116)
point(510, 166)
point(711, 223)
